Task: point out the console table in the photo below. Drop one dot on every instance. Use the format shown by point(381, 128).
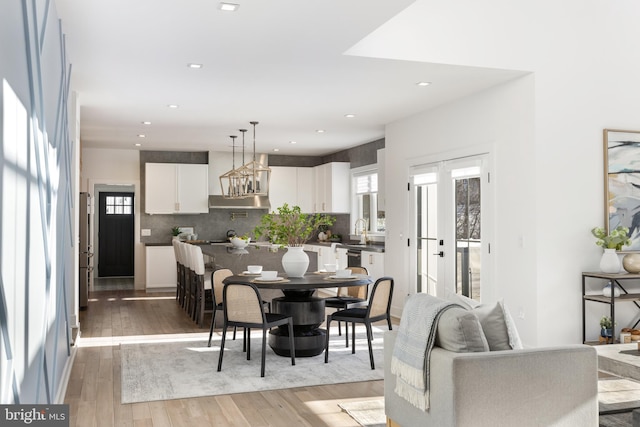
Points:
point(615, 280)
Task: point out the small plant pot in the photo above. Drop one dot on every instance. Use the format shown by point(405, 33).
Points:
point(607, 333)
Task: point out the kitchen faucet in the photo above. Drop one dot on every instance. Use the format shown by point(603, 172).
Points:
point(363, 235)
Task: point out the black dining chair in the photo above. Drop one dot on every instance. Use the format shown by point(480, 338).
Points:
point(379, 308)
point(217, 278)
point(244, 308)
point(349, 297)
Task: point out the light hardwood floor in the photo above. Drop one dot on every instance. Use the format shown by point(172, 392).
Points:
point(93, 393)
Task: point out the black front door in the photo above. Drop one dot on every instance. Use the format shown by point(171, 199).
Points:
point(115, 254)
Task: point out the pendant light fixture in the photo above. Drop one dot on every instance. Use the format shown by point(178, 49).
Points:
point(257, 175)
point(233, 183)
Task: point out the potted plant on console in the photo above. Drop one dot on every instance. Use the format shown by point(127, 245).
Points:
point(606, 327)
point(612, 242)
point(289, 227)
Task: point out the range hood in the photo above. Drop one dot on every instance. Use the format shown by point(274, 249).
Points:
point(251, 202)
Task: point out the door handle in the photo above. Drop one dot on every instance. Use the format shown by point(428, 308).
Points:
point(440, 254)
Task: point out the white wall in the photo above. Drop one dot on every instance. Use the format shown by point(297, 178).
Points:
point(584, 79)
point(37, 192)
point(489, 120)
point(116, 167)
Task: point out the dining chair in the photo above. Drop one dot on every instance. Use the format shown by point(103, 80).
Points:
point(203, 297)
point(217, 276)
point(243, 307)
point(176, 253)
point(378, 309)
point(349, 297)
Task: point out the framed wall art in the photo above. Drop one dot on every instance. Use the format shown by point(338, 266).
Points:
point(622, 183)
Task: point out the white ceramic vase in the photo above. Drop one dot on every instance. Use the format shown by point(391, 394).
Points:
point(606, 291)
point(295, 261)
point(610, 263)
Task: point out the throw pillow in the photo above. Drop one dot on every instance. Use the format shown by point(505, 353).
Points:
point(498, 327)
point(460, 331)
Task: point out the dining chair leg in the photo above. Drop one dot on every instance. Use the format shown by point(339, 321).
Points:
point(326, 345)
point(224, 333)
point(369, 339)
point(353, 337)
point(247, 340)
point(213, 322)
point(346, 333)
point(340, 328)
point(264, 350)
point(292, 344)
point(389, 323)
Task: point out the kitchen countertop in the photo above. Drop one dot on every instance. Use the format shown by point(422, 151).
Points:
point(371, 247)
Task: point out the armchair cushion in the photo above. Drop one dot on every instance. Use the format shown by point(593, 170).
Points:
point(460, 330)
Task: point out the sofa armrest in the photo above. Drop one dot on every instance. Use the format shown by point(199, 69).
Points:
point(555, 386)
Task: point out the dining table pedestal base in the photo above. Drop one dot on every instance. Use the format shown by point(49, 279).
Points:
point(307, 312)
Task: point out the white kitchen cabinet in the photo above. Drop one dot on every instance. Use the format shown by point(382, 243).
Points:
point(374, 263)
point(176, 188)
point(325, 255)
point(293, 186)
point(342, 257)
point(160, 267)
point(332, 185)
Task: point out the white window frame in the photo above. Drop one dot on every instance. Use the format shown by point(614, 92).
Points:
point(355, 205)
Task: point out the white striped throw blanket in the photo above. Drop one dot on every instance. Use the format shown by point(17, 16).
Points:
point(416, 335)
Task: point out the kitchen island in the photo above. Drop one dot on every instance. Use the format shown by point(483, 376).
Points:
point(225, 255)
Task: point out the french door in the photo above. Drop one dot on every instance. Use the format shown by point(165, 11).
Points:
point(448, 216)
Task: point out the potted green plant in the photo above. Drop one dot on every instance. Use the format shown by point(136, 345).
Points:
point(175, 232)
point(612, 242)
point(606, 326)
point(290, 227)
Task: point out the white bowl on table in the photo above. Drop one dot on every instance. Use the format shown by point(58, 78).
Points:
point(239, 243)
point(254, 269)
point(330, 268)
point(343, 273)
point(269, 275)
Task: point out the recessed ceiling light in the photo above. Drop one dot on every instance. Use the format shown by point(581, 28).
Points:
point(228, 7)
point(141, 135)
point(138, 144)
point(349, 116)
point(276, 149)
point(320, 130)
point(293, 142)
point(146, 123)
point(195, 66)
point(174, 106)
point(423, 83)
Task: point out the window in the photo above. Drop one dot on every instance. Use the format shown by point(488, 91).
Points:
point(365, 203)
point(118, 205)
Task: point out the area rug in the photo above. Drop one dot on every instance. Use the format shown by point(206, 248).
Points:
point(176, 370)
point(367, 413)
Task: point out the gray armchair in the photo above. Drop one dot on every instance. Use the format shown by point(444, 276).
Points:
point(531, 387)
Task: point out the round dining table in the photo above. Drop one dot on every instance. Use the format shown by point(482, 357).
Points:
point(300, 303)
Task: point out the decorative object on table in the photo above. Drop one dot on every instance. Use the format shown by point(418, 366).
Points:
point(175, 232)
point(289, 227)
point(612, 242)
point(631, 262)
point(240, 242)
point(606, 327)
point(622, 182)
point(606, 291)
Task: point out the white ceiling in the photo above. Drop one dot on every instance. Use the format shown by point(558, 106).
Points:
point(279, 62)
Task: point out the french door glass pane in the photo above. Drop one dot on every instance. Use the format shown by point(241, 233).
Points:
point(468, 238)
